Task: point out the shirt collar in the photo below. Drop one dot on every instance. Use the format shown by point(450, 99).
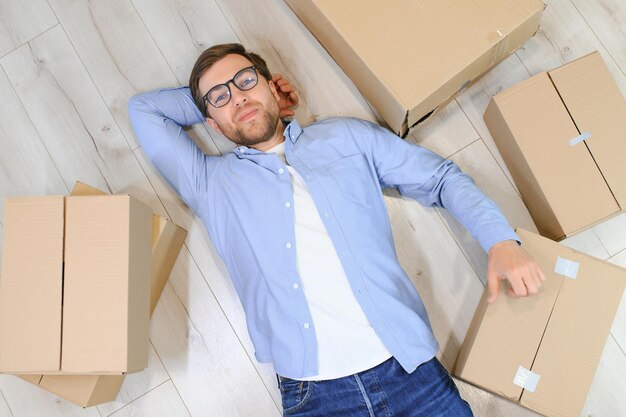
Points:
point(293, 131)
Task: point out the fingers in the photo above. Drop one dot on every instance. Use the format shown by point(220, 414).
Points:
point(493, 284)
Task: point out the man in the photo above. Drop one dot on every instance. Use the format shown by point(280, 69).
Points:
point(298, 217)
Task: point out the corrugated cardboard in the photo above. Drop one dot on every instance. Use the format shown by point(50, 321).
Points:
point(565, 187)
point(90, 390)
point(409, 57)
point(31, 286)
point(102, 315)
point(558, 334)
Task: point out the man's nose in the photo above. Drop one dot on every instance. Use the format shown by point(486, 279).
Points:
point(238, 97)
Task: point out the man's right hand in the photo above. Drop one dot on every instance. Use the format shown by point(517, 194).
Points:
point(288, 96)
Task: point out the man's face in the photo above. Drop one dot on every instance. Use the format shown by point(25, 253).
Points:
point(250, 117)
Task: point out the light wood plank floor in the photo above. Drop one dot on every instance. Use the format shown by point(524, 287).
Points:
point(68, 68)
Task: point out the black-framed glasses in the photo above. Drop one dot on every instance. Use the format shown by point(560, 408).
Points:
point(219, 95)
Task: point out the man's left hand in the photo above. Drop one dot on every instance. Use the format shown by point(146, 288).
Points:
point(509, 261)
point(288, 96)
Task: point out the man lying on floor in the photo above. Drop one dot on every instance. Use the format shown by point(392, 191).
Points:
point(298, 217)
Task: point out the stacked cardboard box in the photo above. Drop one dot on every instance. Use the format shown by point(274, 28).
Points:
point(165, 242)
point(75, 282)
point(562, 134)
point(410, 57)
point(543, 351)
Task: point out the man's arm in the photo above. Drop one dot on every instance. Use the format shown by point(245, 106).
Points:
point(434, 181)
point(157, 119)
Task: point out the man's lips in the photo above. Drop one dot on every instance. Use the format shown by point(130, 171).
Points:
point(247, 114)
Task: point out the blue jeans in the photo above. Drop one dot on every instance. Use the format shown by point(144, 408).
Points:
point(385, 390)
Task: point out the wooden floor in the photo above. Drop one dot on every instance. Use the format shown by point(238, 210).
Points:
point(68, 68)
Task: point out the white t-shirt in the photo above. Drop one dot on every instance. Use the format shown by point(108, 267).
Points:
point(346, 341)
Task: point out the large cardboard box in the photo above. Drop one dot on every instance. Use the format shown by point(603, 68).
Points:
point(542, 351)
point(410, 57)
point(90, 390)
point(562, 134)
point(74, 295)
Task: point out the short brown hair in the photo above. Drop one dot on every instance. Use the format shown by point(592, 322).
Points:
point(210, 57)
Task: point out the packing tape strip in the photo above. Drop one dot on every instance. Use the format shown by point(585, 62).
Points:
point(579, 138)
point(566, 267)
point(526, 379)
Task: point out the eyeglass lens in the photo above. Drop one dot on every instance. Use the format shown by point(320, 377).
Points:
point(244, 80)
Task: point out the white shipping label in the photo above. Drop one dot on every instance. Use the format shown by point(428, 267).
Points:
point(566, 267)
point(526, 379)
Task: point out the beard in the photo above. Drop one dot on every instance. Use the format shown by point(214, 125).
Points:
point(260, 130)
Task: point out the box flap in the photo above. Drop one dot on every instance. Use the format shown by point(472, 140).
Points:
point(84, 390)
point(108, 240)
point(578, 328)
point(31, 284)
point(568, 176)
point(598, 107)
point(506, 334)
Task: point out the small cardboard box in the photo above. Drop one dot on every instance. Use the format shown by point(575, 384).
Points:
point(74, 295)
point(410, 57)
point(542, 351)
point(90, 390)
point(562, 134)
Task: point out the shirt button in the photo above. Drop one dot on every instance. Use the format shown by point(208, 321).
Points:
point(325, 214)
point(288, 245)
point(280, 170)
point(287, 204)
point(295, 285)
point(306, 325)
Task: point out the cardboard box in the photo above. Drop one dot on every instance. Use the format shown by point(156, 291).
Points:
point(557, 335)
point(567, 183)
point(74, 290)
point(90, 390)
point(409, 57)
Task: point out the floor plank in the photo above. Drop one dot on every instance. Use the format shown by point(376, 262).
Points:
point(137, 384)
point(607, 20)
point(120, 56)
point(21, 21)
point(202, 354)
point(587, 242)
point(162, 401)
point(4, 408)
point(82, 138)
point(606, 395)
point(25, 164)
point(564, 36)
point(612, 234)
point(26, 400)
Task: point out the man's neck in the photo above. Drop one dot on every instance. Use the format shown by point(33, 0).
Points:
point(275, 140)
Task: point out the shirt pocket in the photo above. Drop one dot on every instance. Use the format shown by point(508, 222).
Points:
point(353, 177)
point(295, 395)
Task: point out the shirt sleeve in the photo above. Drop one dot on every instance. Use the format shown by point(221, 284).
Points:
point(432, 180)
point(158, 118)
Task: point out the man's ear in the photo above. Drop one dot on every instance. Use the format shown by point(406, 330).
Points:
point(273, 90)
point(214, 125)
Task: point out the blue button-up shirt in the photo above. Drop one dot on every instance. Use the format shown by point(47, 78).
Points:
point(345, 163)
